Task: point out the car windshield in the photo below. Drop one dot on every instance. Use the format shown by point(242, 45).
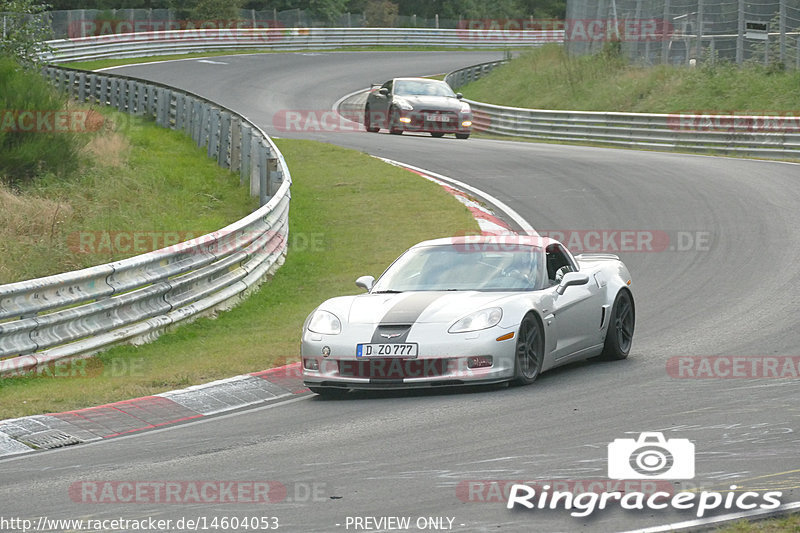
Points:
point(463, 267)
point(422, 88)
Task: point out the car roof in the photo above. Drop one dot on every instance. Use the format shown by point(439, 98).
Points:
point(418, 79)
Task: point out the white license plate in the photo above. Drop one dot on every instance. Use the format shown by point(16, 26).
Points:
point(437, 118)
point(386, 350)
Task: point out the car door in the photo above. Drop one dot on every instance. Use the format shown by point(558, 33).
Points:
point(578, 312)
point(379, 108)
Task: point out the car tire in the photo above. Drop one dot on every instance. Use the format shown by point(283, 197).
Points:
point(619, 335)
point(437, 134)
point(462, 135)
point(394, 116)
point(368, 122)
point(329, 392)
point(529, 352)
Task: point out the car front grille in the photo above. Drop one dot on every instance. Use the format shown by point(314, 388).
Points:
point(393, 368)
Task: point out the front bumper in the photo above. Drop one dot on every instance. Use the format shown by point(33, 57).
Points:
point(418, 121)
point(455, 359)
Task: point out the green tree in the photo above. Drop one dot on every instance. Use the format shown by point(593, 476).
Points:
point(327, 10)
point(556, 9)
point(24, 30)
point(380, 13)
point(216, 9)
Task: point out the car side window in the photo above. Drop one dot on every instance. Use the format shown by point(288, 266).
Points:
point(558, 263)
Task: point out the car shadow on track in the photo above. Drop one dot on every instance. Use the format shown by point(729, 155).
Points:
point(544, 381)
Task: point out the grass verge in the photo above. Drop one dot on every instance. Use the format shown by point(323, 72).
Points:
point(547, 78)
point(789, 524)
point(139, 183)
point(351, 215)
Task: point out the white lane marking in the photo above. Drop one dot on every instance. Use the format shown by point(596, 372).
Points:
point(716, 519)
point(148, 63)
point(337, 103)
point(210, 62)
point(516, 217)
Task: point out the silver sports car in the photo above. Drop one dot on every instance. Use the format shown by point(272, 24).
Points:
point(470, 310)
point(417, 104)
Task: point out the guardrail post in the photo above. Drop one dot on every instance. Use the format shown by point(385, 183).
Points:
point(188, 121)
point(197, 121)
point(71, 84)
point(224, 140)
point(205, 119)
point(255, 171)
point(92, 79)
point(131, 100)
point(263, 172)
point(213, 132)
point(82, 87)
point(236, 145)
point(274, 178)
point(162, 108)
point(172, 110)
point(180, 111)
point(151, 108)
point(244, 169)
point(141, 100)
point(114, 96)
point(102, 97)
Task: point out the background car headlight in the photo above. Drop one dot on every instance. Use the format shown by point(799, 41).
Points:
point(465, 107)
point(485, 318)
point(403, 104)
point(325, 323)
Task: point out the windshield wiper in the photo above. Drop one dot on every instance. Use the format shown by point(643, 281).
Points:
point(387, 291)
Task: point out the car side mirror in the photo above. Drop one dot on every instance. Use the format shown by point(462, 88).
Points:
point(384, 91)
point(459, 96)
point(365, 282)
point(572, 278)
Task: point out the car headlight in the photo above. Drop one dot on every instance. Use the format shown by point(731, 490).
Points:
point(465, 108)
point(325, 323)
point(403, 104)
point(485, 318)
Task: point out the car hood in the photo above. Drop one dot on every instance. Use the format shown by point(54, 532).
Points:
point(412, 307)
point(444, 103)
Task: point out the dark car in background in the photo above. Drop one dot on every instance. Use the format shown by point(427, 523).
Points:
point(420, 105)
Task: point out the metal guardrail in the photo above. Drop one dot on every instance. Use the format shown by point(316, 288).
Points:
point(772, 136)
point(134, 300)
point(184, 41)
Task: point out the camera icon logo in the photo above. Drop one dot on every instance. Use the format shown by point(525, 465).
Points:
point(651, 457)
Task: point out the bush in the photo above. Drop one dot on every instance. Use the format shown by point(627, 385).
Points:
point(26, 155)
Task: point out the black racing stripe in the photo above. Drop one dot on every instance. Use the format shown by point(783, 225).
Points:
point(397, 322)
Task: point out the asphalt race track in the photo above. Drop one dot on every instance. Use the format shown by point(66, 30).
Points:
point(724, 285)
